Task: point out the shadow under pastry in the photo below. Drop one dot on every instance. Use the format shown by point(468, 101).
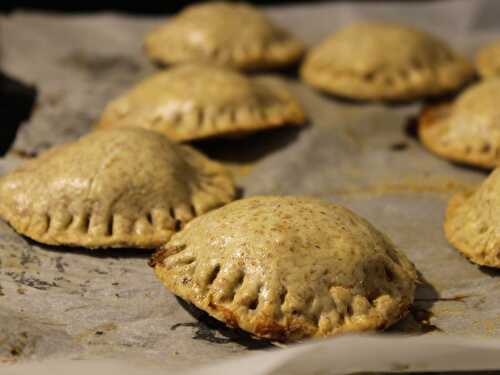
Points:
point(215, 332)
point(250, 148)
point(418, 320)
point(17, 100)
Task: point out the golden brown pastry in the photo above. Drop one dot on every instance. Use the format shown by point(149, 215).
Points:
point(378, 61)
point(488, 60)
point(112, 188)
point(234, 35)
point(191, 102)
point(472, 221)
point(287, 268)
point(468, 129)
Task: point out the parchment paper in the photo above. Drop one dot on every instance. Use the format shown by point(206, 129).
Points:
point(60, 303)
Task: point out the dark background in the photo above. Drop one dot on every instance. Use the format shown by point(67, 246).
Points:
point(146, 7)
point(139, 7)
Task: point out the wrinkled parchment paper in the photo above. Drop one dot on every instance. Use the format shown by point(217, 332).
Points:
point(59, 304)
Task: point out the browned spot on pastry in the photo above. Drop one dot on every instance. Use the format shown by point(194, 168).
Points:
point(432, 113)
point(161, 254)
point(268, 328)
point(227, 315)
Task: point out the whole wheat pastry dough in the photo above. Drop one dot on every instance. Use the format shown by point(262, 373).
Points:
point(472, 222)
point(378, 61)
point(286, 268)
point(112, 188)
point(231, 35)
point(488, 60)
point(468, 129)
point(192, 102)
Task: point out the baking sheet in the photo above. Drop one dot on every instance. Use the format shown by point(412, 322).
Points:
point(59, 303)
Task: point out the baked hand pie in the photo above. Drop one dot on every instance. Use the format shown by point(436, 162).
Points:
point(191, 102)
point(488, 60)
point(378, 61)
point(234, 35)
point(468, 129)
point(471, 223)
point(287, 268)
point(112, 188)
